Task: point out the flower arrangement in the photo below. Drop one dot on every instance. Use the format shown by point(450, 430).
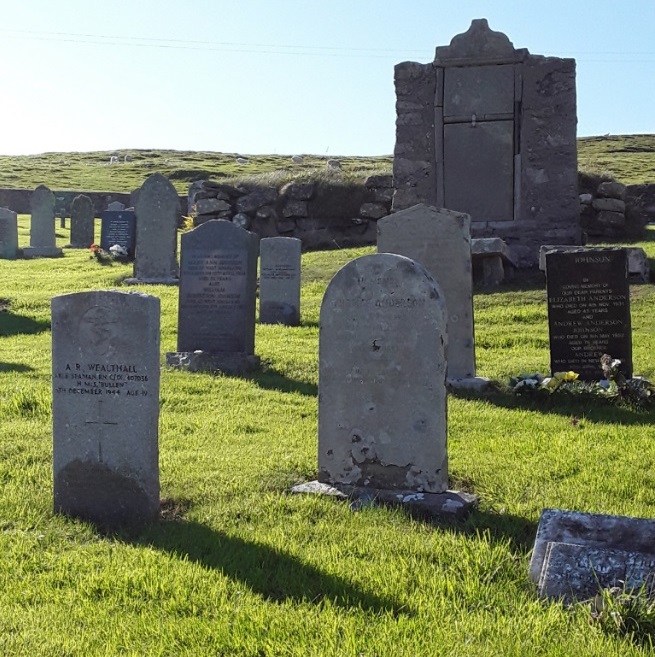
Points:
point(116, 252)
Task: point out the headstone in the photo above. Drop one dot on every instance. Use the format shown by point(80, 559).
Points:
point(105, 376)
point(588, 311)
point(115, 206)
point(118, 227)
point(158, 213)
point(440, 240)
point(216, 312)
point(279, 280)
point(382, 393)
point(8, 234)
point(82, 223)
point(577, 553)
point(42, 225)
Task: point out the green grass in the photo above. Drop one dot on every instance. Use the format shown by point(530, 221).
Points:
point(240, 567)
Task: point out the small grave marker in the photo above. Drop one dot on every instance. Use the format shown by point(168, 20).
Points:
point(279, 281)
point(118, 227)
point(8, 234)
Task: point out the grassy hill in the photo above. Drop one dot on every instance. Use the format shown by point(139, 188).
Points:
point(629, 158)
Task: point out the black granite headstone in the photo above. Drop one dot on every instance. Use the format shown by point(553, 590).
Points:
point(588, 311)
point(118, 228)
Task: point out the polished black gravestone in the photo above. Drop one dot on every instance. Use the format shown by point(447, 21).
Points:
point(118, 227)
point(588, 311)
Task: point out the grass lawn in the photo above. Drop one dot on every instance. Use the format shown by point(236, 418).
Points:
point(240, 567)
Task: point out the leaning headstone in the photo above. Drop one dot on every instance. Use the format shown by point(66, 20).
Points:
point(118, 228)
point(42, 225)
point(382, 387)
point(588, 311)
point(575, 554)
point(8, 234)
point(105, 378)
point(216, 311)
point(115, 206)
point(158, 213)
point(82, 223)
point(279, 280)
point(440, 240)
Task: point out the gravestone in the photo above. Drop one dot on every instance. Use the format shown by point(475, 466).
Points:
point(105, 378)
point(42, 225)
point(115, 206)
point(490, 130)
point(577, 553)
point(279, 281)
point(382, 393)
point(588, 311)
point(440, 240)
point(118, 227)
point(216, 311)
point(82, 223)
point(8, 234)
point(158, 213)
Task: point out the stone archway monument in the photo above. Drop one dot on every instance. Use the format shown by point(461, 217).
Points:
point(490, 130)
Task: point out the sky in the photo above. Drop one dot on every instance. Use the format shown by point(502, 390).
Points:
point(283, 76)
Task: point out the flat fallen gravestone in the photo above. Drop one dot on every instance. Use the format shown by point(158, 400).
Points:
point(588, 311)
point(575, 554)
point(216, 311)
point(8, 234)
point(382, 389)
point(42, 225)
point(105, 380)
point(118, 227)
point(157, 216)
point(279, 281)
point(82, 223)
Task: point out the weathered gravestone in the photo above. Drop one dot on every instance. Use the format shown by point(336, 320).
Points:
point(118, 228)
point(588, 311)
point(8, 234)
point(216, 312)
point(157, 216)
point(382, 393)
point(42, 225)
point(576, 554)
point(440, 240)
point(105, 379)
point(115, 206)
point(279, 281)
point(82, 222)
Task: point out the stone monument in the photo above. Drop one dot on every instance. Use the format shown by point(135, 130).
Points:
point(42, 225)
point(216, 312)
point(118, 227)
point(8, 234)
point(82, 223)
point(279, 280)
point(490, 130)
point(105, 380)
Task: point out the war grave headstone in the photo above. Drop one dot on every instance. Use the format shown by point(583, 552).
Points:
point(105, 380)
point(588, 311)
point(440, 240)
point(279, 280)
point(382, 387)
point(42, 225)
point(82, 233)
point(157, 212)
point(118, 227)
point(575, 554)
point(8, 234)
point(217, 297)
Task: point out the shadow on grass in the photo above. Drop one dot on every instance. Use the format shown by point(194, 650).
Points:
point(15, 367)
point(583, 409)
point(11, 324)
point(268, 572)
point(271, 379)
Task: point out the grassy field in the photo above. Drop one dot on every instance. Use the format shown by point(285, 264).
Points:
point(238, 566)
point(629, 158)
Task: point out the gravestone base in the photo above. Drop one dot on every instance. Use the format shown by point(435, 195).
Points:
point(473, 383)
point(41, 252)
point(152, 281)
point(449, 504)
point(205, 361)
point(76, 246)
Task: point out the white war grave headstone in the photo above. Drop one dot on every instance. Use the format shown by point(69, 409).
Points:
point(279, 280)
point(42, 225)
point(105, 380)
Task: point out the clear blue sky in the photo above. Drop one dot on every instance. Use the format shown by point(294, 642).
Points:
point(284, 76)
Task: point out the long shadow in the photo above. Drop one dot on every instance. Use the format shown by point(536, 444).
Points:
point(271, 379)
point(592, 410)
point(11, 324)
point(15, 367)
point(271, 573)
